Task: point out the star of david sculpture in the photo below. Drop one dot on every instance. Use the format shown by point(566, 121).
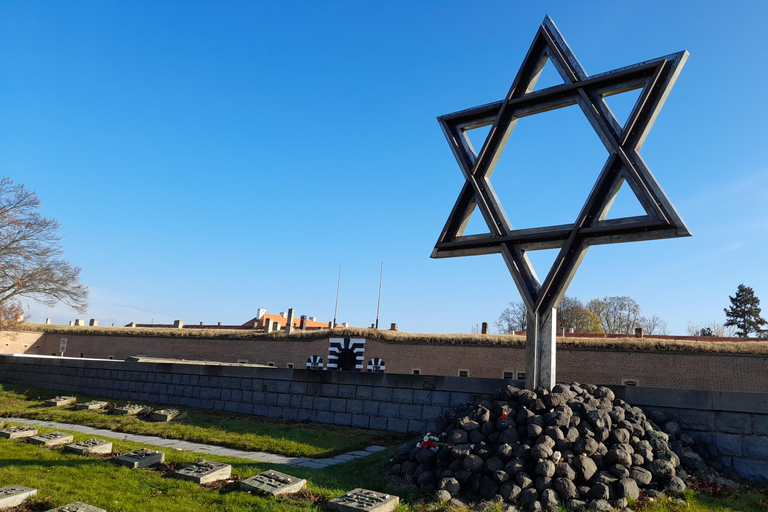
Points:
point(656, 78)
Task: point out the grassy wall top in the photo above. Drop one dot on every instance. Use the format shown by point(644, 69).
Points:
point(629, 343)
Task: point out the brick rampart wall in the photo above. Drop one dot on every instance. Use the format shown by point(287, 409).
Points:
point(736, 423)
point(680, 370)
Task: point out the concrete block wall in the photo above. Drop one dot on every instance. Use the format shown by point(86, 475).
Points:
point(400, 403)
point(736, 423)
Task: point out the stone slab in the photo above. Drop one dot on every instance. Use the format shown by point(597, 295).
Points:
point(90, 405)
point(96, 446)
point(203, 472)
point(15, 495)
point(274, 483)
point(129, 410)
point(364, 500)
point(165, 415)
point(18, 432)
point(52, 439)
point(77, 506)
point(140, 458)
point(60, 401)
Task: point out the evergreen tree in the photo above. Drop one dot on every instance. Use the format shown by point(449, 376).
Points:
point(744, 313)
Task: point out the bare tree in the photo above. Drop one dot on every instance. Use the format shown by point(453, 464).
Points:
point(654, 325)
point(30, 263)
point(618, 315)
point(710, 329)
point(513, 318)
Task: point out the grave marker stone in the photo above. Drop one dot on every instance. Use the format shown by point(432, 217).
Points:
point(129, 409)
point(140, 458)
point(60, 401)
point(274, 483)
point(365, 500)
point(96, 446)
point(164, 415)
point(203, 472)
point(18, 432)
point(77, 506)
point(52, 439)
point(93, 404)
point(15, 495)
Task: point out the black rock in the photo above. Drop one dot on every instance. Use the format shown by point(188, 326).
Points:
point(675, 485)
point(493, 464)
point(515, 466)
point(545, 468)
point(628, 488)
point(661, 470)
point(467, 424)
point(426, 456)
point(523, 480)
point(487, 487)
point(640, 475)
point(500, 476)
point(586, 466)
point(473, 463)
point(458, 436)
point(542, 482)
point(510, 491)
point(408, 468)
point(461, 451)
point(487, 428)
point(504, 452)
point(449, 484)
point(426, 479)
point(619, 471)
point(599, 491)
point(509, 436)
point(477, 437)
point(565, 470)
point(463, 476)
point(600, 506)
point(549, 498)
point(565, 489)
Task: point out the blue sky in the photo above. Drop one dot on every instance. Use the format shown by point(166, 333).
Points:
point(206, 159)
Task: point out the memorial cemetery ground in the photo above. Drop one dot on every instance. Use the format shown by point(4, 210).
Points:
point(63, 477)
point(217, 428)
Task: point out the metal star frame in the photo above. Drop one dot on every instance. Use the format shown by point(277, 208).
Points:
point(624, 164)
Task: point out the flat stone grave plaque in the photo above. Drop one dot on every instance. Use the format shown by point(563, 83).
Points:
point(60, 401)
point(363, 499)
point(274, 483)
point(97, 446)
point(164, 415)
point(129, 409)
point(77, 506)
point(18, 432)
point(140, 458)
point(93, 404)
point(15, 495)
point(203, 472)
point(52, 439)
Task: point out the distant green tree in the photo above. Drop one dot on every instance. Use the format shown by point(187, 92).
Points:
point(744, 313)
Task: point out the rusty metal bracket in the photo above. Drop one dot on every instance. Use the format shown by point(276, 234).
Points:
point(655, 78)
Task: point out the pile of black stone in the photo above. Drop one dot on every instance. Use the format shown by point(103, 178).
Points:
point(576, 446)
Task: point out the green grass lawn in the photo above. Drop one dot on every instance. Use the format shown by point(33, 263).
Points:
point(300, 439)
point(63, 478)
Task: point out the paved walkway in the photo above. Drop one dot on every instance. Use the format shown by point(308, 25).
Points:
point(206, 449)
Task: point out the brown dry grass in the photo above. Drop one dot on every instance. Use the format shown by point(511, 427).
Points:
point(628, 343)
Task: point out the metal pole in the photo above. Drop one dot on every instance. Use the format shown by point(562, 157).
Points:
point(338, 285)
point(378, 306)
point(540, 350)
